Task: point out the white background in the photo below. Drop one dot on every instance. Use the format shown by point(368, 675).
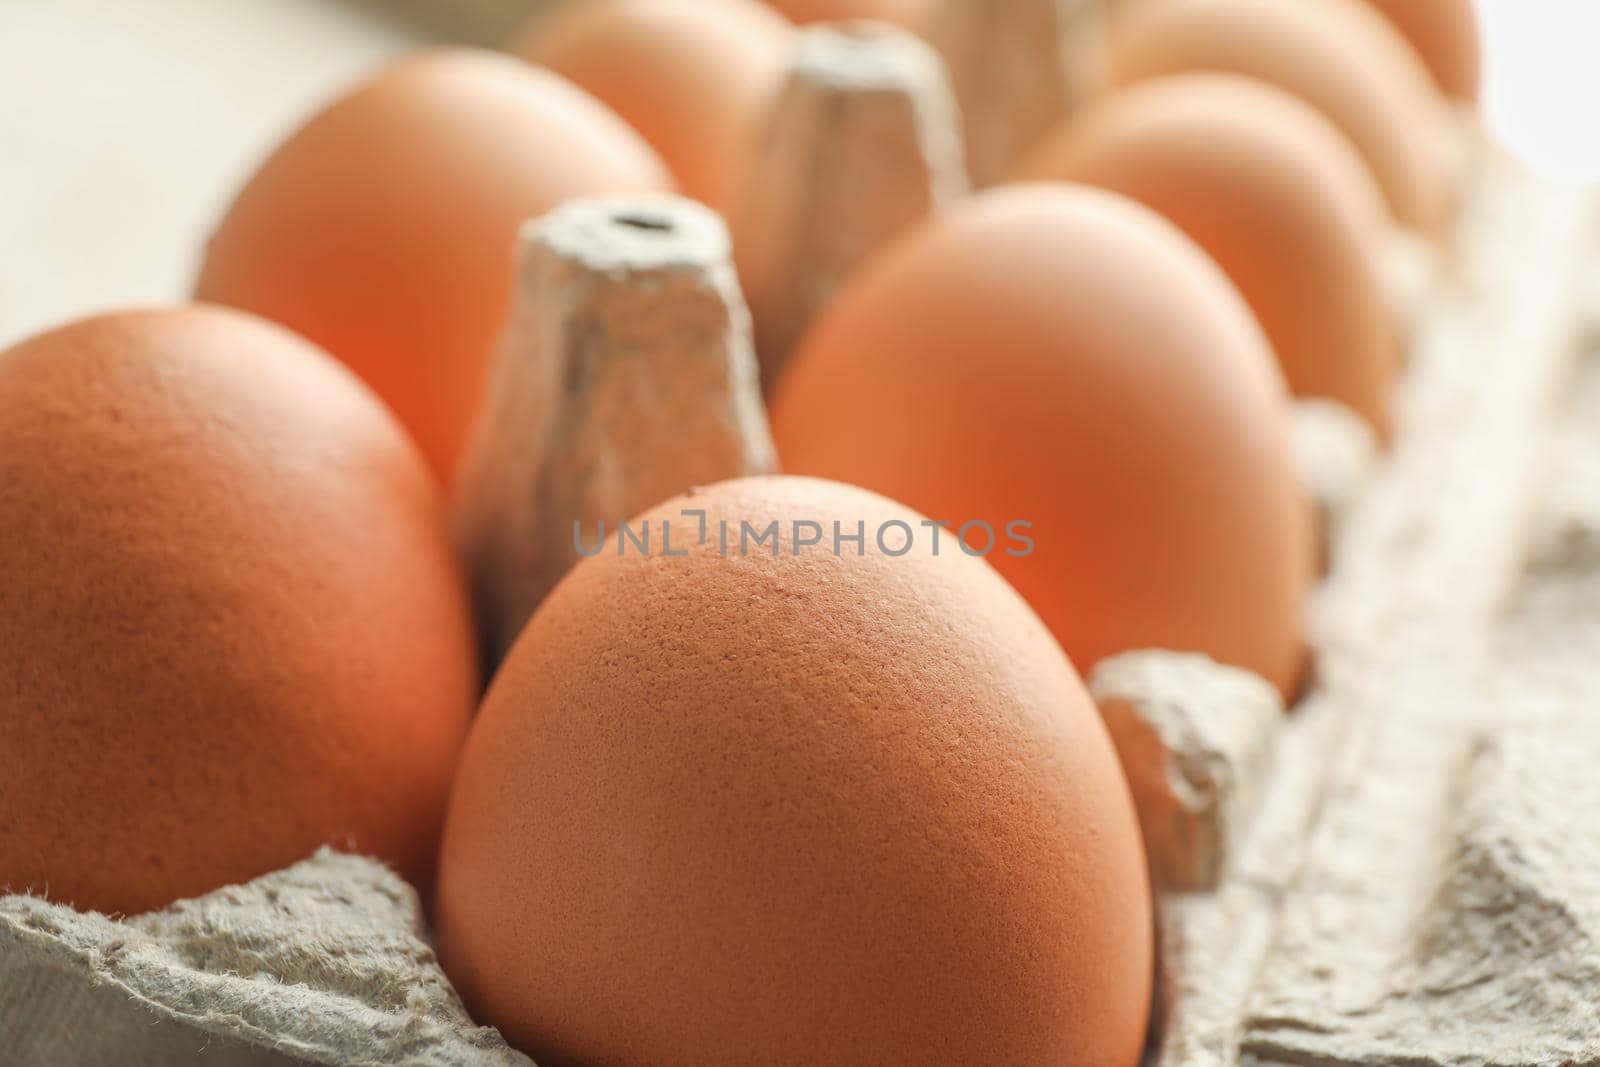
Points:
point(125, 125)
point(1542, 94)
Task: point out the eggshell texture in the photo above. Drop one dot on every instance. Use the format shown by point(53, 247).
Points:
point(1065, 357)
point(1339, 55)
point(385, 230)
point(233, 628)
point(1276, 195)
point(693, 77)
point(900, 12)
point(795, 809)
point(1446, 34)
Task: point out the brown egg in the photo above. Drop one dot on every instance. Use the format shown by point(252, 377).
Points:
point(1064, 357)
point(804, 12)
point(1276, 195)
point(693, 76)
point(1339, 55)
point(233, 626)
point(797, 802)
point(385, 229)
point(1445, 33)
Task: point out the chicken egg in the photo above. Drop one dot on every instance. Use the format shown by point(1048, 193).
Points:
point(1339, 55)
point(900, 12)
point(233, 627)
point(795, 801)
point(1276, 195)
point(694, 78)
point(1065, 358)
point(385, 230)
point(1446, 34)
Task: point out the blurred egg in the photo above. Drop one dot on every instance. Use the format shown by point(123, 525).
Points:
point(802, 805)
point(385, 230)
point(1066, 358)
point(804, 12)
point(1339, 55)
point(694, 77)
point(1445, 33)
point(1276, 195)
point(233, 627)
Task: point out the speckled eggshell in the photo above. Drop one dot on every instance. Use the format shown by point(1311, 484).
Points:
point(1275, 194)
point(1446, 34)
point(1341, 56)
point(1065, 357)
point(233, 627)
point(800, 809)
point(385, 229)
point(694, 77)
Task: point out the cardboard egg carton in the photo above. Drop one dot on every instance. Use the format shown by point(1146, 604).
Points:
point(1406, 870)
point(1401, 870)
point(326, 962)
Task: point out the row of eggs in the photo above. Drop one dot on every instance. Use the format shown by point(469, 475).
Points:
point(234, 621)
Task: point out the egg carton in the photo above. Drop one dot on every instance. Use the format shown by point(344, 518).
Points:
point(1406, 869)
point(1396, 872)
point(1400, 871)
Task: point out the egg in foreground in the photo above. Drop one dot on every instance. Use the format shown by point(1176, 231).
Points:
point(1273, 192)
point(794, 805)
point(385, 229)
point(233, 626)
point(1065, 357)
point(693, 78)
point(1340, 56)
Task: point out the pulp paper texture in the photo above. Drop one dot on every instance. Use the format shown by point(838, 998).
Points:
point(323, 963)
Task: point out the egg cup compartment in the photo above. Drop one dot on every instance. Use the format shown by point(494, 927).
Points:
point(1019, 67)
point(862, 141)
point(627, 375)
